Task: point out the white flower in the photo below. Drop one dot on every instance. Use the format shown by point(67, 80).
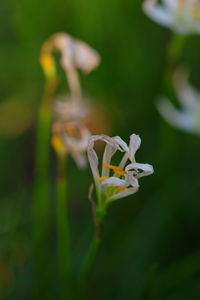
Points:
point(74, 54)
point(71, 138)
point(182, 16)
point(124, 180)
point(187, 118)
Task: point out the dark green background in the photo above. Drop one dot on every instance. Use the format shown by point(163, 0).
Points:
point(151, 243)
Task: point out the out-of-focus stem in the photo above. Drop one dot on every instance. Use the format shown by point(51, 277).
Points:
point(64, 253)
point(41, 201)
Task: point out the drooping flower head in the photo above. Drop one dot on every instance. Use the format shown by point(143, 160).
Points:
point(75, 54)
point(187, 118)
point(119, 181)
point(182, 16)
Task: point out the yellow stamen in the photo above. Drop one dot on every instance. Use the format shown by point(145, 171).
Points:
point(47, 62)
point(102, 178)
point(121, 188)
point(116, 169)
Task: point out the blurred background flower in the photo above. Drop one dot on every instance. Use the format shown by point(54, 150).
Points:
point(188, 117)
point(182, 16)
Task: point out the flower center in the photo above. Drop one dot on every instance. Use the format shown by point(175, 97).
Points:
point(117, 170)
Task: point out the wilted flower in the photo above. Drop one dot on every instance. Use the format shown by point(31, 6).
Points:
point(69, 132)
point(188, 118)
point(71, 138)
point(74, 54)
point(124, 178)
point(182, 16)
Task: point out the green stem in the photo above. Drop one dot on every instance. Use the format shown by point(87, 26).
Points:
point(90, 257)
point(100, 214)
point(64, 255)
point(89, 262)
point(41, 204)
point(41, 201)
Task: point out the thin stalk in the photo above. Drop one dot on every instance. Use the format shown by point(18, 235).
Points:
point(41, 201)
point(89, 260)
point(90, 257)
point(41, 204)
point(64, 253)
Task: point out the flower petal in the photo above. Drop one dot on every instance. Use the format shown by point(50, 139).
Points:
point(135, 142)
point(108, 153)
point(157, 12)
point(123, 194)
point(85, 57)
point(122, 146)
point(92, 156)
point(131, 180)
point(114, 181)
point(180, 119)
point(188, 95)
point(124, 160)
point(146, 169)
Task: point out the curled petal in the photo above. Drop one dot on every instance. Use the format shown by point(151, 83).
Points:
point(180, 119)
point(108, 153)
point(114, 181)
point(135, 142)
point(85, 57)
point(92, 156)
point(124, 160)
point(146, 169)
point(157, 12)
point(131, 180)
point(124, 194)
point(73, 52)
point(125, 148)
point(122, 146)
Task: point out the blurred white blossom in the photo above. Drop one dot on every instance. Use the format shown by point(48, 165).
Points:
point(188, 117)
point(124, 178)
point(75, 54)
point(71, 138)
point(182, 16)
